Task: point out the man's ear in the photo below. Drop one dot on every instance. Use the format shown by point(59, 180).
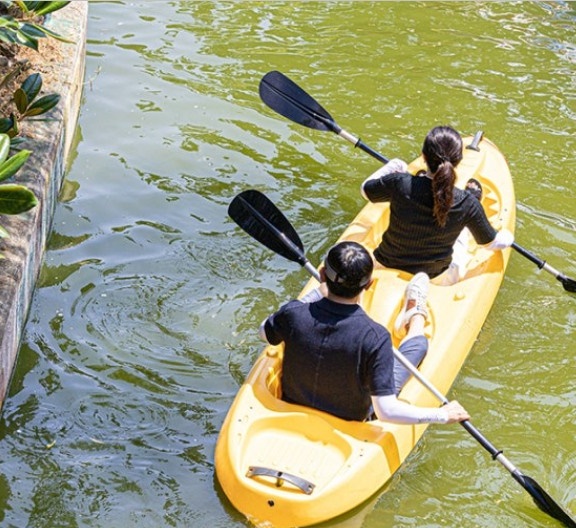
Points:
point(322, 274)
point(369, 284)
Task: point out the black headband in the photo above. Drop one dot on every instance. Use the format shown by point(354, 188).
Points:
point(339, 279)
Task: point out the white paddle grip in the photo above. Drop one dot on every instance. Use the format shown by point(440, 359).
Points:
point(348, 137)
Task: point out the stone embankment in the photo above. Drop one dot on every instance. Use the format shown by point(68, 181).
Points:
point(51, 142)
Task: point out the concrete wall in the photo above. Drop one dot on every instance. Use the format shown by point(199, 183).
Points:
point(50, 142)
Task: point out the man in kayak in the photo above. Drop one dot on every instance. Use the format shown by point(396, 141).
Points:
point(337, 359)
point(428, 213)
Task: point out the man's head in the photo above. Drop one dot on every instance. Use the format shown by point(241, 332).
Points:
point(348, 269)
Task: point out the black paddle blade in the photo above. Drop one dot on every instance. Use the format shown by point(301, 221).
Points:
point(289, 100)
point(541, 498)
point(569, 284)
point(263, 221)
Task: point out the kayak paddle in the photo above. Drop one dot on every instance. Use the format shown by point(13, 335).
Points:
point(284, 96)
point(568, 283)
point(288, 99)
point(258, 216)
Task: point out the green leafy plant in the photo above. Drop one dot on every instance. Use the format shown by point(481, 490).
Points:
point(14, 198)
point(39, 8)
point(21, 24)
point(22, 30)
point(27, 105)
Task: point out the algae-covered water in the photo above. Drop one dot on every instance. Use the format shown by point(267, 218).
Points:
point(144, 321)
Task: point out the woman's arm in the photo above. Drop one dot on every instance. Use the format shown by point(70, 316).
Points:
point(394, 165)
point(483, 232)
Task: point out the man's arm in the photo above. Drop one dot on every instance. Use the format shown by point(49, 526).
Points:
point(391, 409)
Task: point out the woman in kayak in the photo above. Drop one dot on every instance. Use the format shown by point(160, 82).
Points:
point(337, 359)
point(428, 213)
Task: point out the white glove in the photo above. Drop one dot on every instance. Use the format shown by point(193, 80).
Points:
point(394, 165)
point(502, 240)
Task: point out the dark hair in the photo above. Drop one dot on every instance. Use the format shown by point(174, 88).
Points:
point(443, 152)
point(348, 269)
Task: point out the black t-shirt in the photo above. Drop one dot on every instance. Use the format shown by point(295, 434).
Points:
point(335, 356)
point(413, 241)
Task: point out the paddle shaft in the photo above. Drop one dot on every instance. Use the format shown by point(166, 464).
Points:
point(539, 495)
point(361, 145)
point(482, 440)
point(338, 130)
point(356, 141)
point(569, 284)
point(530, 256)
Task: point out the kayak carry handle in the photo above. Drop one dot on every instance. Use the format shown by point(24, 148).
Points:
point(281, 477)
point(476, 141)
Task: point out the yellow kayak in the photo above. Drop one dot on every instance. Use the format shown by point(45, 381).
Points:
point(284, 465)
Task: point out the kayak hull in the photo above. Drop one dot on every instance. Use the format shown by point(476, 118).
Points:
point(284, 465)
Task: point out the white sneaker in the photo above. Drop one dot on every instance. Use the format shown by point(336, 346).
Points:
point(416, 294)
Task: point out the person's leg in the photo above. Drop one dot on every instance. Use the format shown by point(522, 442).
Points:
point(414, 349)
point(460, 257)
point(449, 277)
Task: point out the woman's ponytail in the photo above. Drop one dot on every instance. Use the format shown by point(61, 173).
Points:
point(443, 190)
point(443, 152)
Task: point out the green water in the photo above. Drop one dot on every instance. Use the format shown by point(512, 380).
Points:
point(144, 322)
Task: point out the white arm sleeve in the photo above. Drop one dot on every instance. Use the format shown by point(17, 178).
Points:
point(394, 165)
point(391, 409)
point(502, 240)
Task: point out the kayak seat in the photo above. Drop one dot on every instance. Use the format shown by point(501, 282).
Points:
point(301, 445)
point(298, 451)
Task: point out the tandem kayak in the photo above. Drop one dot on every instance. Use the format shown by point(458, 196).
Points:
point(284, 465)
